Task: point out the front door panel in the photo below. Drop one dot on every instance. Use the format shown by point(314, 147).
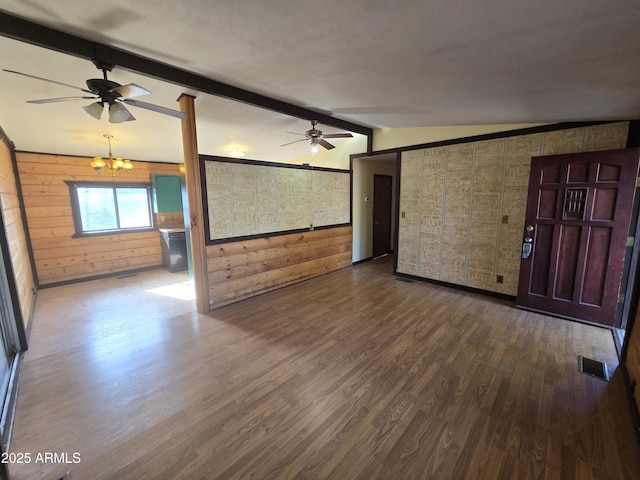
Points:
point(577, 221)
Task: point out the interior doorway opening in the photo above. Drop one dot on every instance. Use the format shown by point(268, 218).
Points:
point(366, 170)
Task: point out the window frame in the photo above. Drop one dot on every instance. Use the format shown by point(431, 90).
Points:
point(77, 217)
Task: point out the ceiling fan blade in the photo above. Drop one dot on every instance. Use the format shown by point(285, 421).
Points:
point(296, 133)
point(337, 135)
point(325, 144)
point(155, 108)
point(61, 99)
point(295, 141)
point(48, 80)
point(130, 90)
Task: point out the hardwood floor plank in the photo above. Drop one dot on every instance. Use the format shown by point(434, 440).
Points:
point(352, 375)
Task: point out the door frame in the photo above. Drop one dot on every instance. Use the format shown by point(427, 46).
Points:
point(373, 226)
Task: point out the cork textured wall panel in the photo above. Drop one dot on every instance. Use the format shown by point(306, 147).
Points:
point(431, 211)
point(409, 221)
point(254, 198)
point(487, 174)
point(519, 151)
point(462, 206)
point(457, 203)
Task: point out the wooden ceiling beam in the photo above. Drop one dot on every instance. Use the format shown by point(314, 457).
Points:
point(26, 31)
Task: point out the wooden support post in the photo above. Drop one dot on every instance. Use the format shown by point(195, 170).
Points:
point(195, 221)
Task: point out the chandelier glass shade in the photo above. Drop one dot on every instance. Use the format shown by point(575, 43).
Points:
point(115, 165)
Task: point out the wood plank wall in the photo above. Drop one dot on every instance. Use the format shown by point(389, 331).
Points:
point(16, 236)
point(453, 200)
point(244, 269)
point(58, 256)
point(632, 359)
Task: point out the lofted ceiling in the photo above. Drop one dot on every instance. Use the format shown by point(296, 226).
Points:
point(375, 63)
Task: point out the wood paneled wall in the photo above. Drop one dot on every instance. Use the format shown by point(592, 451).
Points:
point(453, 200)
point(16, 236)
point(244, 269)
point(632, 359)
point(58, 256)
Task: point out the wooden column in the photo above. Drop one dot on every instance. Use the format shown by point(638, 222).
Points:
point(195, 221)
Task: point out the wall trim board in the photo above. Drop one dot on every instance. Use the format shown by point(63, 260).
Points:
point(23, 213)
point(12, 286)
point(489, 136)
point(463, 288)
point(248, 161)
point(270, 234)
point(633, 137)
point(213, 239)
point(396, 231)
point(364, 260)
point(5, 138)
point(120, 273)
point(29, 152)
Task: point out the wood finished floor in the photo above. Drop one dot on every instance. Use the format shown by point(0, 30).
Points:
point(354, 375)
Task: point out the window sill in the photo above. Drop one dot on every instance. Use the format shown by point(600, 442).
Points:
point(102, 233)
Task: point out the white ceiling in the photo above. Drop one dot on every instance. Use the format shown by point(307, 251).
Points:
point(377, 63)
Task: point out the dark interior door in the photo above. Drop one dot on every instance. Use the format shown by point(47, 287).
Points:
point(577, 222)
point(381, 215)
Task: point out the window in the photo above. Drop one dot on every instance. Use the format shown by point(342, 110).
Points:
point(103, 208)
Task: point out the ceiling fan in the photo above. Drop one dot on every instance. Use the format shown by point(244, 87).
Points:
point(107, 92)
point(317, 137)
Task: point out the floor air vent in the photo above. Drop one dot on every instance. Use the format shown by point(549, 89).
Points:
point(592, 367)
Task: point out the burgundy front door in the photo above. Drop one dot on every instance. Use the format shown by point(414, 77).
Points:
point(576, 225)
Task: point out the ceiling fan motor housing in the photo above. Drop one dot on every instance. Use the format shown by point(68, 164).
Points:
point(313, 133)
point(103, 88)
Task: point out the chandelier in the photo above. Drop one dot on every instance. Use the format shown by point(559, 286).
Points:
point(115, 165)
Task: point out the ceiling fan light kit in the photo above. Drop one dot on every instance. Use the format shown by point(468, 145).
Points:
point(118, 113)
point(106, 92)
point(316, 137)
point(95, 110)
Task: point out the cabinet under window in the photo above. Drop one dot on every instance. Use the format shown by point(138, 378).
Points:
point(106, 208)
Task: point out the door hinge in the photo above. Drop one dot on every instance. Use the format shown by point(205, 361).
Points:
point(631, 241)
point(621, 298)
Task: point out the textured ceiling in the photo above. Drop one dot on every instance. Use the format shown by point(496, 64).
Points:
point(377, 63)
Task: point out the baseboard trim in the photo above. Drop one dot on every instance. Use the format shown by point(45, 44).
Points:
point(455, 286)
point(98, 277)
